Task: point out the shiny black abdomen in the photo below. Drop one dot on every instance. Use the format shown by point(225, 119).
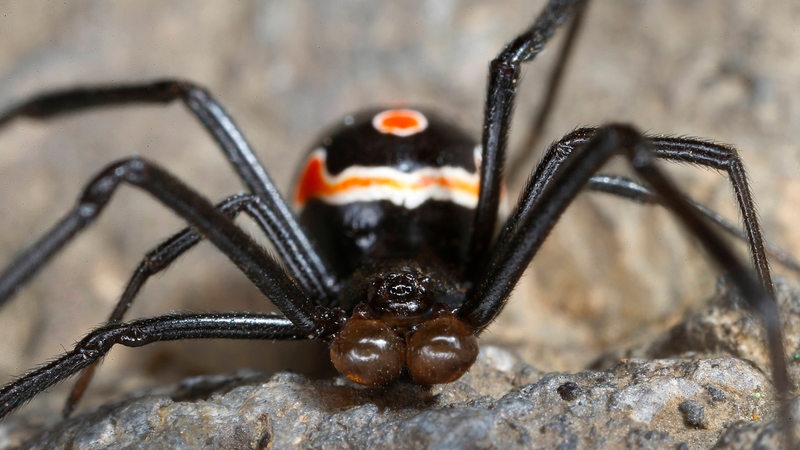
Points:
point(370, 214)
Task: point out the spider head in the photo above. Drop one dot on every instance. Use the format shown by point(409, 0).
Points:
point(402, 328)
point(400, 298)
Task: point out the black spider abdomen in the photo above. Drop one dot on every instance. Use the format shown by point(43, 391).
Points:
point(390, 184)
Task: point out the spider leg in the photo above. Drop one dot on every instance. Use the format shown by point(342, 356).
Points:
point(519, 160)
point(507, 262)
point(631, 190)
point(248, 256)
point(155, 261)
point(289, 239)
point(168, 251)
point(691, 151)
point(142, 332)
point(504, 72)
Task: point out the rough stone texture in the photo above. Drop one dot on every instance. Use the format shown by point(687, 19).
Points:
point(519, 407)
point(610, 273)
point(690, 398)
point(723, 326)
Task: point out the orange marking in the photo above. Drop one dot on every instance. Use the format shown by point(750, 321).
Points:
point(312, 181)
point(315, 182)
point(393, 122)
point(400, 122)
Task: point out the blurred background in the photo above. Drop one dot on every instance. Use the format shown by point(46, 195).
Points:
point(611, 273)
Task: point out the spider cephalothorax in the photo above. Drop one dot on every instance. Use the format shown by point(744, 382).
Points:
point(405, 325)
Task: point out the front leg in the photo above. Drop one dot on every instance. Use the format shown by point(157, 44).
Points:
point(142, 332)
point(692, 151)
point(525, 235)
point(288, 238)
point(501, 91)
point(248, 256)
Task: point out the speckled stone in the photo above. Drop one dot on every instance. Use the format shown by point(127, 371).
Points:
point(694, 400)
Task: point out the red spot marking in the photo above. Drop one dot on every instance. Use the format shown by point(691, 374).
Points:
point(312, 181)
point(400, 122)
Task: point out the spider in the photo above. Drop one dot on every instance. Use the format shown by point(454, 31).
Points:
point(350, 244)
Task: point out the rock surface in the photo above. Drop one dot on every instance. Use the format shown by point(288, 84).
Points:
point(638, 403)
point(693, 398)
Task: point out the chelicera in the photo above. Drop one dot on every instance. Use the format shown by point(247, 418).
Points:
point(395, 257)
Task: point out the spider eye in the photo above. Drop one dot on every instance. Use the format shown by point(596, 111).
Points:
point(399, 295)
point(441, 350)
point(368, 352)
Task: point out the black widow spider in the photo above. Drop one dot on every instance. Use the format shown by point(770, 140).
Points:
point(320, 282)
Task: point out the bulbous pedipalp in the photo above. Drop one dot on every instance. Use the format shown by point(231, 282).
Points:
point(368, 352)
point(441, 350)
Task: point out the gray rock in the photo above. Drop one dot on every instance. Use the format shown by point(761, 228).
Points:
point(694, 414)
point(692, 400)
point(611, 270)
point(750, 435)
